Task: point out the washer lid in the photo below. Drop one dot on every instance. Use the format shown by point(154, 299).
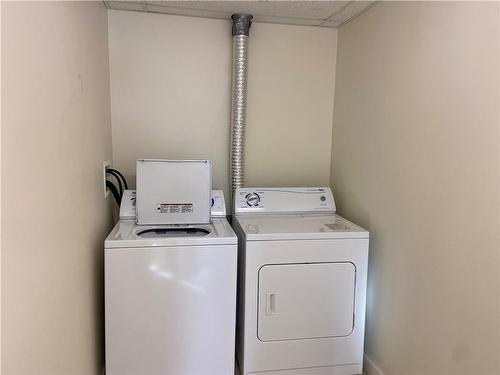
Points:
point(127, 233)
point(298, 226)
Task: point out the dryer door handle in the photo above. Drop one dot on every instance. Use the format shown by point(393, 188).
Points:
point(271, 303)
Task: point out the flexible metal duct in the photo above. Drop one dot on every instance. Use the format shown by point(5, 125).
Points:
point(241, 28)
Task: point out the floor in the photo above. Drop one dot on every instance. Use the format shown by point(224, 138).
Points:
point(237, 370)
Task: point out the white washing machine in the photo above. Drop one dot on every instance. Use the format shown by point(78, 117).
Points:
point(170, 295)
point(302, 283)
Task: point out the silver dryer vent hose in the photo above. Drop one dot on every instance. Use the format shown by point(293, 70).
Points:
point(241, 27)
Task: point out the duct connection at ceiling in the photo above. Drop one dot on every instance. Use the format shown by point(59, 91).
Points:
point(240, 30)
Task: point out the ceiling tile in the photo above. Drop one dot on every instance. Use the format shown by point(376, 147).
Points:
point(350, 11)
point(311, 13)
point(330, 23)
point(155, 8)
point(284, 20)
point(286, 9)
point(125, 5)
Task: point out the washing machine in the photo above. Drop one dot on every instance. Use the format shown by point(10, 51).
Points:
point(302, 283)
point(170, 295)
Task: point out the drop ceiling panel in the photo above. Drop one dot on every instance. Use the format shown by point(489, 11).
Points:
point(311, 13)
point(354, 9)
point(289, 21)
point(285, 9)
point(330, 23)
point(155, 8)
point(125, 5)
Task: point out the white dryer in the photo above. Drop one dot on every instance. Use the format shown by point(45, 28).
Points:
point(302, 283)
point(170, 295)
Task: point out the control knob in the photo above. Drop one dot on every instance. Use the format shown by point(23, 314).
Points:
point(253, 199)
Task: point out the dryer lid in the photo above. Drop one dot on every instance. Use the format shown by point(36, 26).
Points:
point(306, 301)
point(298, 227)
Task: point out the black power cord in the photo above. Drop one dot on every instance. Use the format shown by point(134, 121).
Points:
point(118, 179)
point(114, 191)
point(122, 184)
point(119, 174)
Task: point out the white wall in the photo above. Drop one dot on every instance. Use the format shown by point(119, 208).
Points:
point(416, 159)
point(170, 96)
point(56, 132)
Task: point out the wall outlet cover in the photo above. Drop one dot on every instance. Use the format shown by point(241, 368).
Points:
point(105, 165)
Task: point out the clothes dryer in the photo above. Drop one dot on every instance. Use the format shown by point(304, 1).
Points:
point(302, 283)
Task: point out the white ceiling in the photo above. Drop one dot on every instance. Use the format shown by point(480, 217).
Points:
point(310, 13)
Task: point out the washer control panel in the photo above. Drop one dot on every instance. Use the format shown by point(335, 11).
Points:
point(127, 206)
point(218, 204)
point(128, 211)
point(284, 200)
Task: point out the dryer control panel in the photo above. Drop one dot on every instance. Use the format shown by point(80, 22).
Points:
point(284, 200)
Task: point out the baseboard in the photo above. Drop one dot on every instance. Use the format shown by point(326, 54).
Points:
point(370, 368)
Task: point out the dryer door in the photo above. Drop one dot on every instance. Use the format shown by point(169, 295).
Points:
point(305, 301)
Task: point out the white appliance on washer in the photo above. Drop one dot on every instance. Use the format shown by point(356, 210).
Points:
point(170, 295)
point(302, 283)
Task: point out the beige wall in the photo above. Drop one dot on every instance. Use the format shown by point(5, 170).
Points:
point(56, 133)
point(170, 96)
point(1, 7)
point(416, 159)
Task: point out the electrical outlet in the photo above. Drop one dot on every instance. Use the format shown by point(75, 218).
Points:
point(105, 165)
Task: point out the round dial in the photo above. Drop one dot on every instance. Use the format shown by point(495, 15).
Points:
point(253, 199)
